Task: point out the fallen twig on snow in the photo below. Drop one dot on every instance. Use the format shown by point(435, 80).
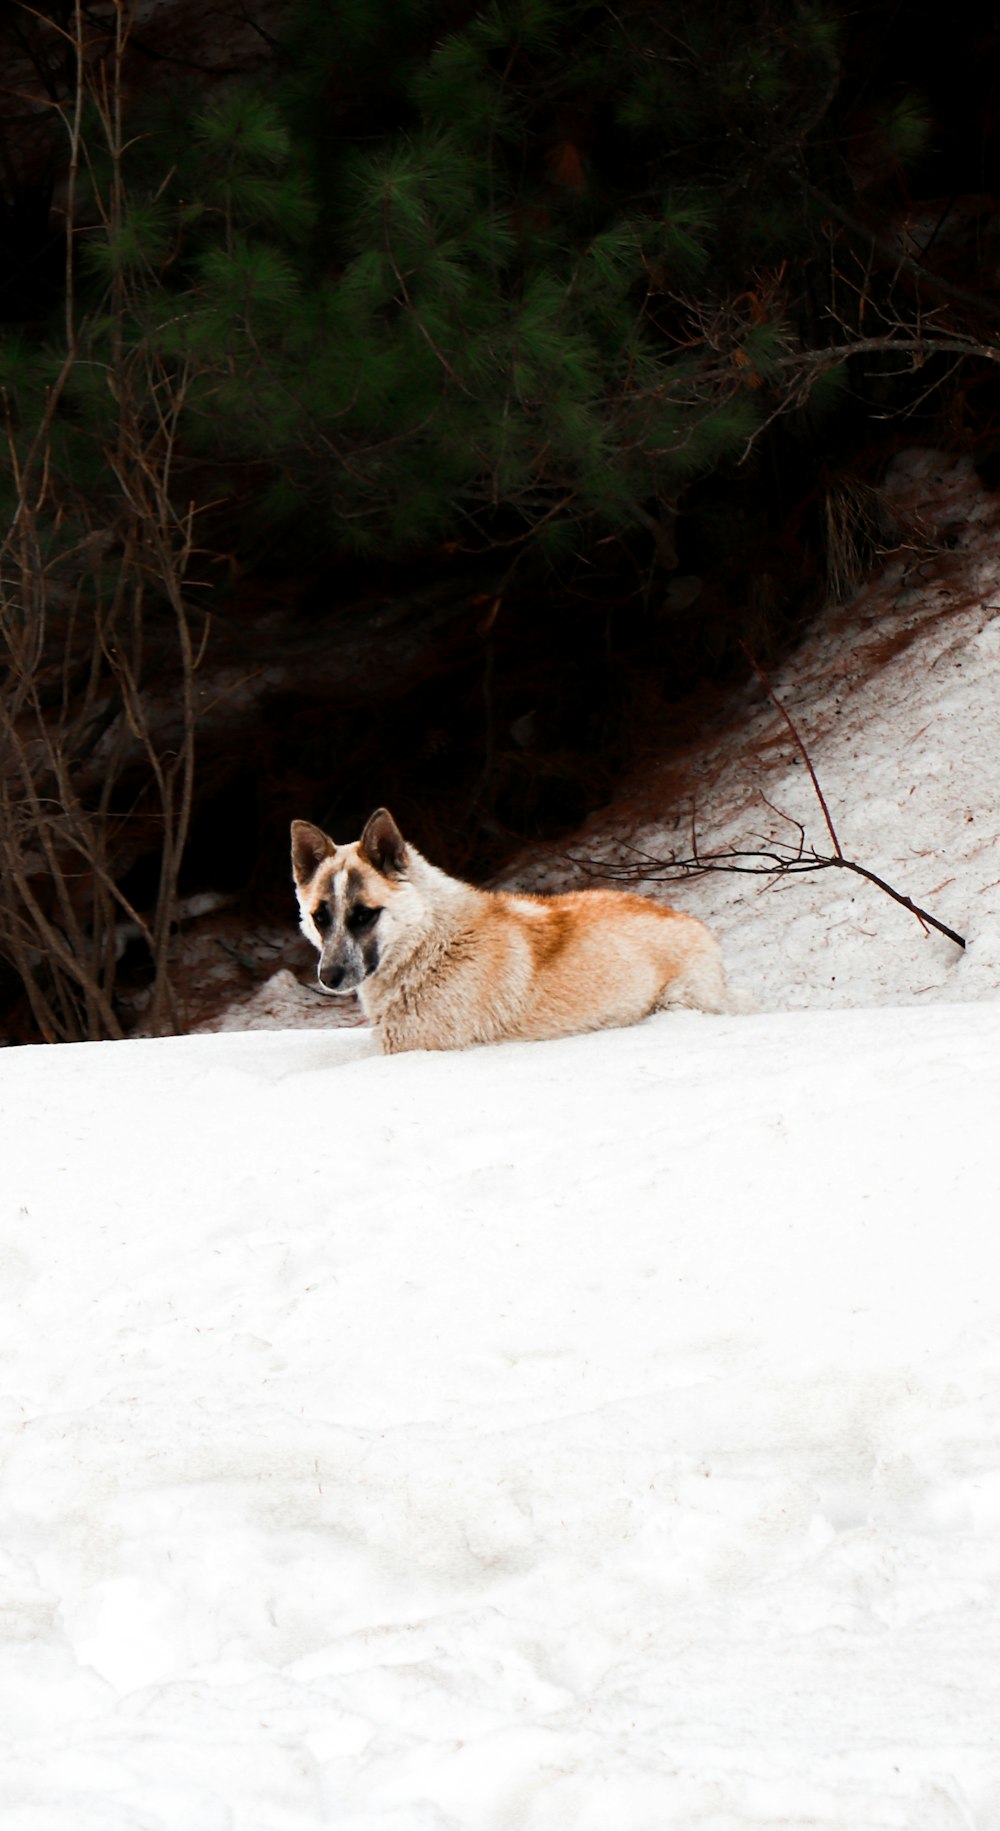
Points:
point(760, 862)
point(774, 860)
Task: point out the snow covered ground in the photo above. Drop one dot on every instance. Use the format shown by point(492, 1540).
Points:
point(589, 1434)
point(600, 1435)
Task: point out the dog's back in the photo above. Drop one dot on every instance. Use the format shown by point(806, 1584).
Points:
point(600, 958)
point(440, 965)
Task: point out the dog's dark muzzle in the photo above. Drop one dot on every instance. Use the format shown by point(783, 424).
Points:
point(341, 972)
point(331, 979)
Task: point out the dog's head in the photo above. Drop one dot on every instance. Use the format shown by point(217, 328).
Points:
point(353, 900)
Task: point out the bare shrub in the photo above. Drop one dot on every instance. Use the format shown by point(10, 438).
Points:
point(99, 643)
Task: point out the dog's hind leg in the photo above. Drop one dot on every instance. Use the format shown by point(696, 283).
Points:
point(699, 986)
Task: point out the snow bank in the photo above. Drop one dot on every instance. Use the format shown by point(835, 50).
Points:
point(591, 1434)
point(896, 697)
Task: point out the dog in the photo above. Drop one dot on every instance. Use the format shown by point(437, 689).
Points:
point(438, 964)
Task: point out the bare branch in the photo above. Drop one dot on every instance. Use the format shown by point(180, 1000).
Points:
point(775, 860)
point(87, 614)
point(800, 746)
point(753, 862)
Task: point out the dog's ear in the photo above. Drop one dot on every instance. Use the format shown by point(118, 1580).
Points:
point(309, 848)
point(383, 844)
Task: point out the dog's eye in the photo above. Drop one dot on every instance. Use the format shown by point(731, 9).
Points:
point(321, 917)
point(361, 917)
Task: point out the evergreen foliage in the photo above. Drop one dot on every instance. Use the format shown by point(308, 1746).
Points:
point(531, 297)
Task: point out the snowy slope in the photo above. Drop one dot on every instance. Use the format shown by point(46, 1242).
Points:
point(897, 697)
point(597, 1435)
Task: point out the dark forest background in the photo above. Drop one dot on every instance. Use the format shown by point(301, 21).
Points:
point(431, 403)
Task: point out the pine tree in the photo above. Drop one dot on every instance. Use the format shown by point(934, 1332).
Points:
point(504, 282)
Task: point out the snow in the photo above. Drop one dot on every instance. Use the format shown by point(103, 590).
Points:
point(590, 1433)
point(596, 1434)
point(896, 698)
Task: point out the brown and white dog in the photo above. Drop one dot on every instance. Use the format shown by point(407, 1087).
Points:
point(440, 965)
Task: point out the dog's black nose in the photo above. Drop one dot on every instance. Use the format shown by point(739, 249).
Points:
point(331, 976)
